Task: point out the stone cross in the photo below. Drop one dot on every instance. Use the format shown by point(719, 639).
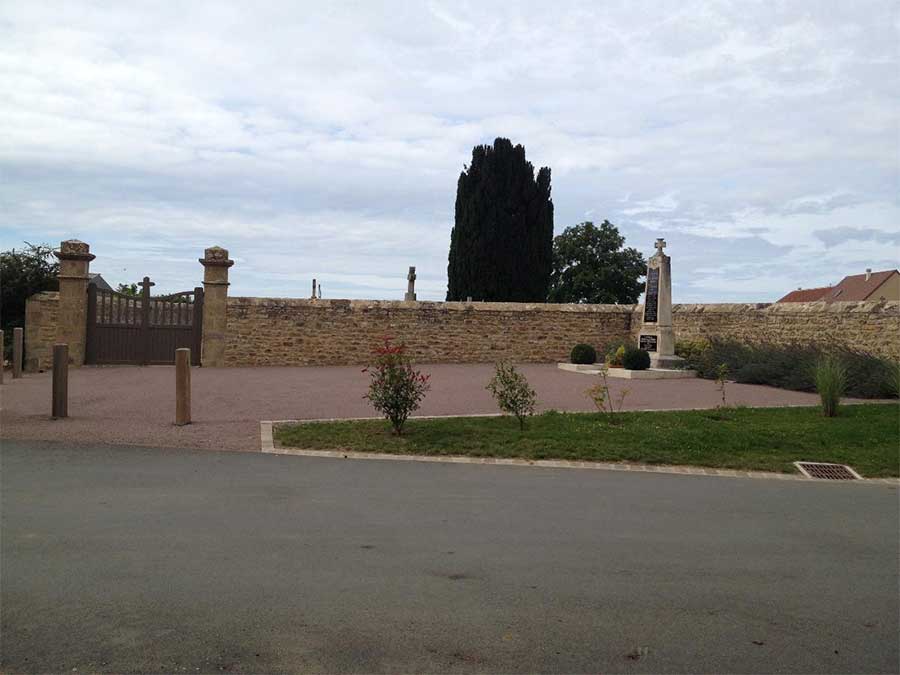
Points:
point(411, 285)
point(657, 333)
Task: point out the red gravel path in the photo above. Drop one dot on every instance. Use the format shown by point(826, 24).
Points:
point(136, 405)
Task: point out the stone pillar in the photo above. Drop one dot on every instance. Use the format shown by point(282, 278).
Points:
point(74, 263)
point(411, 285)
point(215, 305)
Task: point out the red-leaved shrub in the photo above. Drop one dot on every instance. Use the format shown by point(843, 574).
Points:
point(395, 387)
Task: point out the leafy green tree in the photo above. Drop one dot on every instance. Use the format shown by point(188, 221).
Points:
point(128, 289)
point(501, 246)
point(24, 272)
point(590, 265)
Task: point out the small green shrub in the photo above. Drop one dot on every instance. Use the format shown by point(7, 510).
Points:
point(692, 349)
point(636, 359)
point(830, 375)
point(615, 358)
point(512, 392)
point(614, 352)
point(757, 373)
point(582, 353)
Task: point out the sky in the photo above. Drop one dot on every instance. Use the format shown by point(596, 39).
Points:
point(761, 139)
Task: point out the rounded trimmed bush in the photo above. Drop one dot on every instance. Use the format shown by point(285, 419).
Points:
point(582, 353)
point(636, 359)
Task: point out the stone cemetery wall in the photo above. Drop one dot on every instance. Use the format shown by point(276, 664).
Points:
point(869, 326)
point(41, 325)
point(278, 332)
point(273, 331)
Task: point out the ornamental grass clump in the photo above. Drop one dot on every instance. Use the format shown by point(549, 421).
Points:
point(830, 376)
point(396, 388)
point(512, 392)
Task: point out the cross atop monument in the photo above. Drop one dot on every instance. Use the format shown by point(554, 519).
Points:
point(660, 245)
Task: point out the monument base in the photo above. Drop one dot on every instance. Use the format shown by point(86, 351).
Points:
point(665, 361)
point(622, 373)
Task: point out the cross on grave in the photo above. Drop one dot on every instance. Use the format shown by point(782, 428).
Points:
point(660, 245)
point(411, 285)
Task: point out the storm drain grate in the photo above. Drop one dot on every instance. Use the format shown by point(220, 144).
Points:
point(827, 471)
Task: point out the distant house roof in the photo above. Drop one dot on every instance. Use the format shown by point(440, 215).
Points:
point(806, 294)
point(857, 287)
point(99, 282)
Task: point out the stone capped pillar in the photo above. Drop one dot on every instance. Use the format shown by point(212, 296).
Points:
point(74, 264)
point(215, 304)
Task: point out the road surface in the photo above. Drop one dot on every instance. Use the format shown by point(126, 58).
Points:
point(131, 559)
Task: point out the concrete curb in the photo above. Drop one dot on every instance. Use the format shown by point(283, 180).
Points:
point(267, 446)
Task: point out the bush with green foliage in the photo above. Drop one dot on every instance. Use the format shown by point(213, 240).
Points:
point(512, 392)
point(25, 272)
point(614, 352)
point(830, 375)
point(501, 245)
point(790, 366)
point(583, 353)
point(395, 387)
point(636, 359)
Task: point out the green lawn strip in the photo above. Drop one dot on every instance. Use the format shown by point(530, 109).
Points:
point(761, 439)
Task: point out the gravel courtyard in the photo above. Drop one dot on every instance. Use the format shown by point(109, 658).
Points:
point(128, 404)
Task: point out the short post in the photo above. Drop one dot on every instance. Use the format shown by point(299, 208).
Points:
point(18, 344)
point(2, 356)
point(182, 386)
point(60, 407)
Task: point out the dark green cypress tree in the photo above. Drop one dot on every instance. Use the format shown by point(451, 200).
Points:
point(501, 246)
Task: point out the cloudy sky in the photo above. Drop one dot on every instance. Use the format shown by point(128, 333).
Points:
point(325, 139)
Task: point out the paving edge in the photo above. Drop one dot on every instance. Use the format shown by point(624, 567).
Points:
point(267, 446)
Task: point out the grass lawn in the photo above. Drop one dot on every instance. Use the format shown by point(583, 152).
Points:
point(867, 437)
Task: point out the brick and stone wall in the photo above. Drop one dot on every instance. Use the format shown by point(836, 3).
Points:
point(271, 331)
point(869, 326)
point(41, 327)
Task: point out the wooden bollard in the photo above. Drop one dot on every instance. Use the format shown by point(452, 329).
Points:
point(18, 344)
point(60, 407)
point(182, 386)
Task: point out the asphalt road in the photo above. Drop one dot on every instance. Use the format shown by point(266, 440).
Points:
point(132, 559)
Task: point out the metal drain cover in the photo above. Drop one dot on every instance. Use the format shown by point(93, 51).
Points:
point(827, 471)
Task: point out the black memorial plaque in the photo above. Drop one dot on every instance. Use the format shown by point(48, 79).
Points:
point(651, 302)
point(647, 343)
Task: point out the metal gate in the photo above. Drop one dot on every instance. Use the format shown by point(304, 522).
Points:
point(140, 329)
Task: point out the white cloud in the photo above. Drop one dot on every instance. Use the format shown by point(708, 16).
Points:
point(325, 140)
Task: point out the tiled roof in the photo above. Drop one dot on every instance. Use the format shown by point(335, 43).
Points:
point(856, 287)
point(806, 294)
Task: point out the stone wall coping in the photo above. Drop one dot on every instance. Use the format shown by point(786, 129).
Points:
point(865, 307)
point(44, 296)
point(431, 305)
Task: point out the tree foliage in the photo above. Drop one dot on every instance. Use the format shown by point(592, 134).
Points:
point(591, 265)
point(24, 272)
point(128, 289)
point(501, 246)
